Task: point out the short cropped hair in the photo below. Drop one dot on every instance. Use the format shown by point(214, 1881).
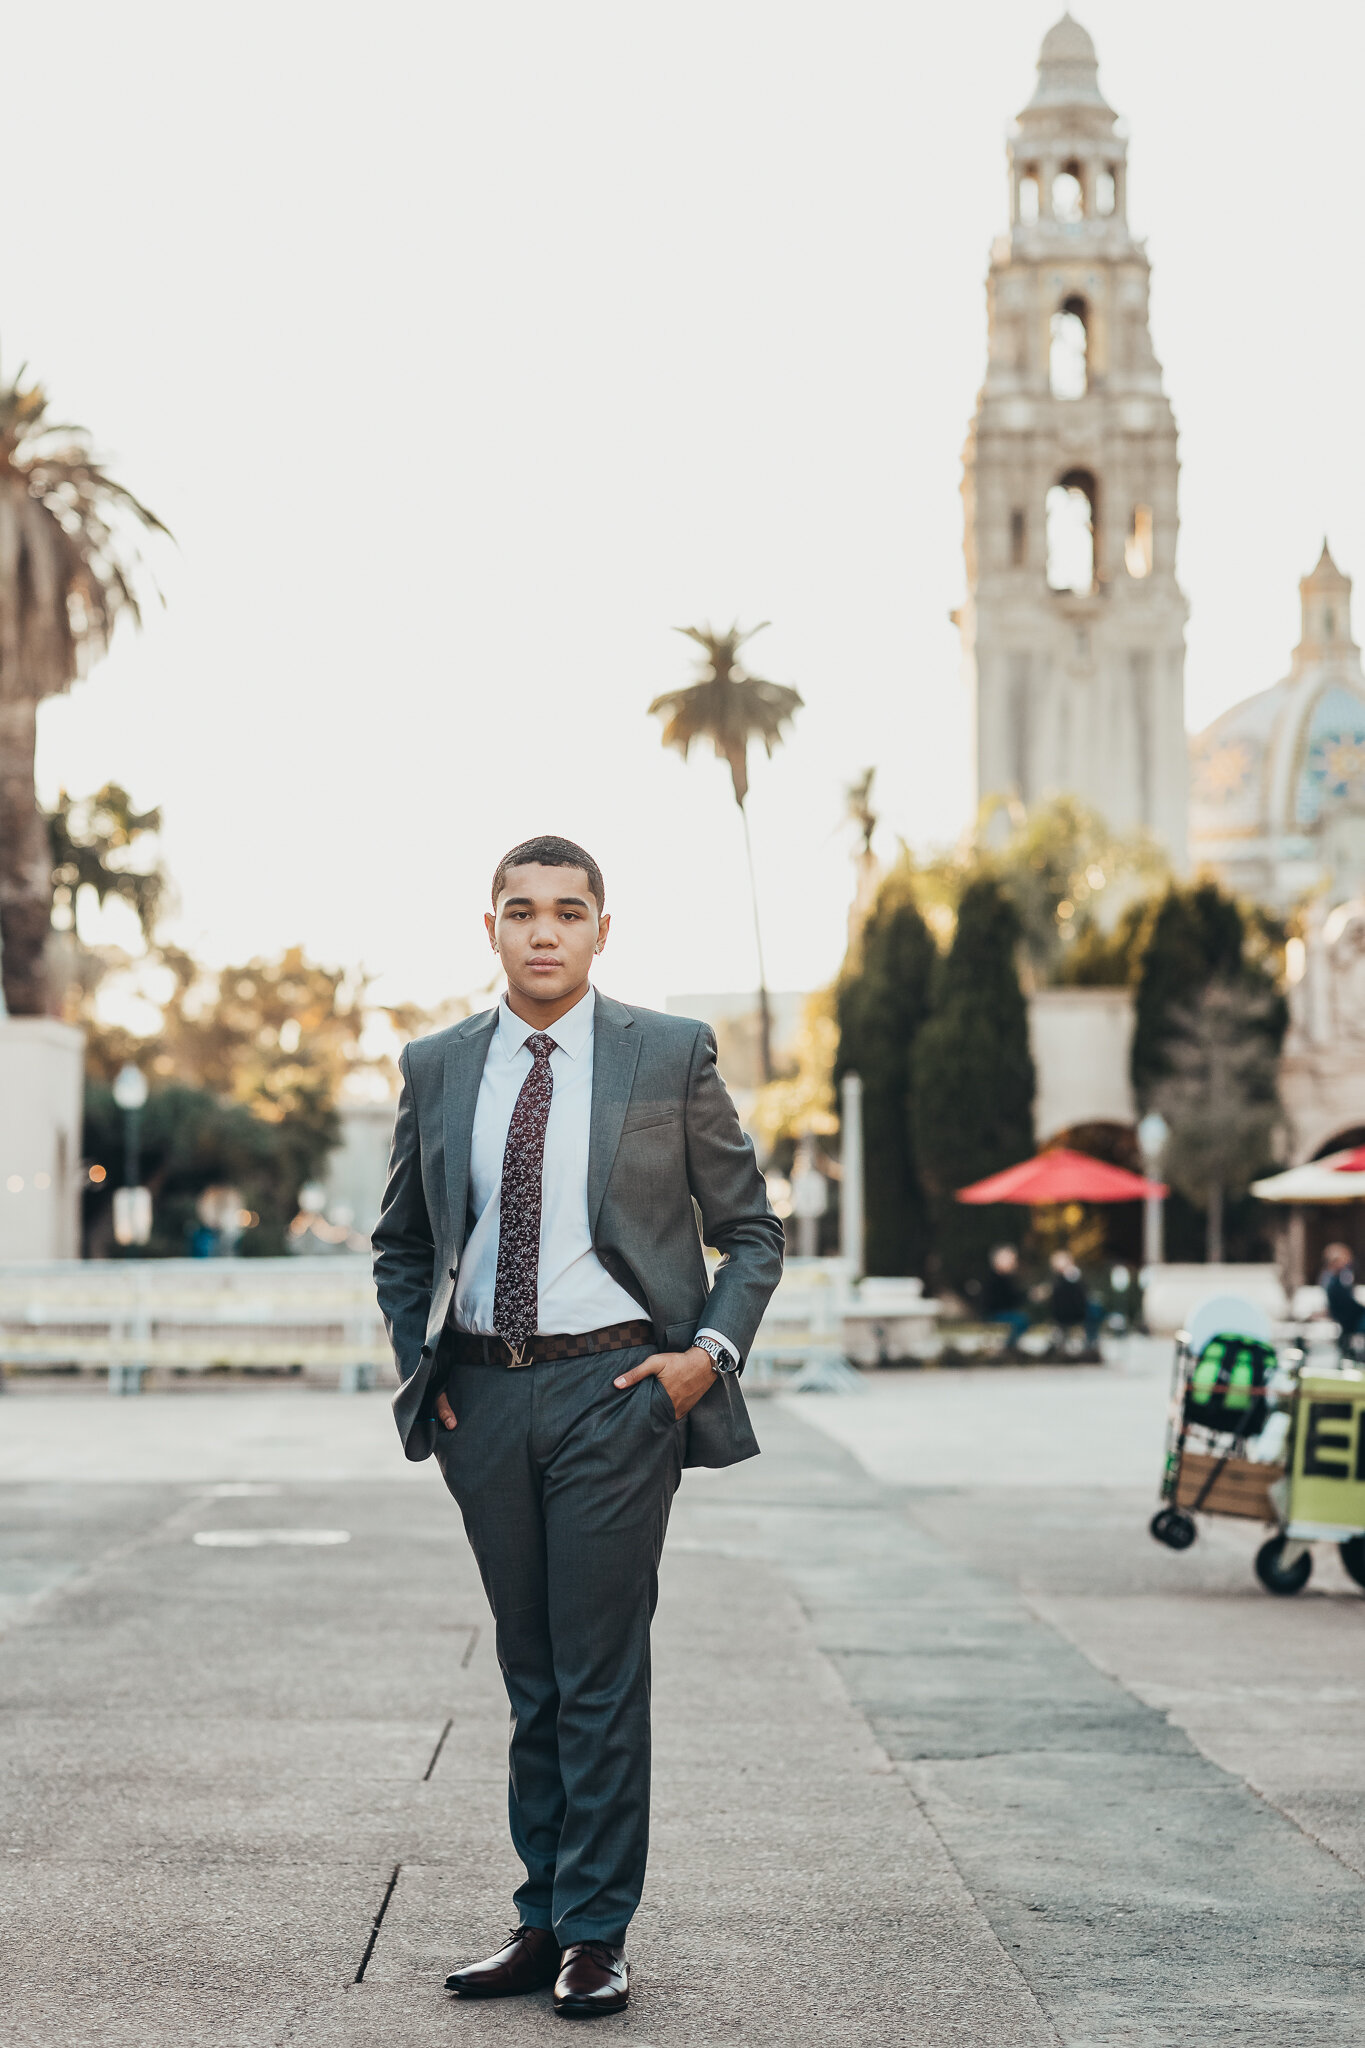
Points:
point(550, 851)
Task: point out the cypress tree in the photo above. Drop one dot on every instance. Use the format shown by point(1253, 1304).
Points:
point(882, 999)
point(1197, 936)
point(973, 1079)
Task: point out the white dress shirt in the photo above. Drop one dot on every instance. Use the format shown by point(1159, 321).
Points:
point(576, 1292)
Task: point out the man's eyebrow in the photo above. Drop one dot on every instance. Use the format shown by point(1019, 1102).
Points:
point(580, 901)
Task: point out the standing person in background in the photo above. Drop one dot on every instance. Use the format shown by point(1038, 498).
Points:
point(1002, 1298)
point(556, 1162)
point(1338, 1282)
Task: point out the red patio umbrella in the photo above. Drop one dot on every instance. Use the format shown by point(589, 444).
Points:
point(1351, 1162)
point(1062, 1176)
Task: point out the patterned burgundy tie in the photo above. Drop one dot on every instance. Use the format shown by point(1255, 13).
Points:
point(516, 1301)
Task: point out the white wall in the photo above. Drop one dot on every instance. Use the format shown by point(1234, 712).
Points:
point(1081, 1039)
point(42, 1066)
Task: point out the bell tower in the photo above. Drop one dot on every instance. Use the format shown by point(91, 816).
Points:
point(1073, 629)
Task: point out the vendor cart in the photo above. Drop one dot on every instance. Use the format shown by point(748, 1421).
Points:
point(1261, 1437)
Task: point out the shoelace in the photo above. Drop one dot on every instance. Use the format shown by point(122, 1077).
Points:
point(601, 1952)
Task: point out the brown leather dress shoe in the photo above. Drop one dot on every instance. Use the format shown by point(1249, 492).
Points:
point(594, 1977)
point(527, 1961)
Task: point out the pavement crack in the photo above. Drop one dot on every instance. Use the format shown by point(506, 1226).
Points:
point(470, 1647)
point(440, 1745)
point(359, 1977)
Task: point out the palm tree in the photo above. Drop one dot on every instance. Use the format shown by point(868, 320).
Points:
point(66, 576)
point(730, 708)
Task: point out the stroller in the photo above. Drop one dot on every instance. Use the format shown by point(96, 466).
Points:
point(1256, 1437)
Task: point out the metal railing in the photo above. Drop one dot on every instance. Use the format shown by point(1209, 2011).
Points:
point(127, 1317)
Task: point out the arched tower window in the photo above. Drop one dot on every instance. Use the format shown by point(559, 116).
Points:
point(1068, 195)
point(1028, 193)
point(1106, 191)
point(1071, 532)
point(1068, 368)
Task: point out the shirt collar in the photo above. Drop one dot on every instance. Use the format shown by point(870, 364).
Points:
point(571, 1032)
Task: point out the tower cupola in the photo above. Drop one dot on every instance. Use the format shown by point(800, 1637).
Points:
point(1067, 160)
point(1325, 601)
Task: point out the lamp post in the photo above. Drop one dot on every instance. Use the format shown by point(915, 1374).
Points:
point(132, 1202)
point(810, 1199)
point(851, 1217)
point(1152, 1134)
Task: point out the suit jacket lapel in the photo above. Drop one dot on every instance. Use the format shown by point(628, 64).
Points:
point(465, 1055)
point(615, 1051)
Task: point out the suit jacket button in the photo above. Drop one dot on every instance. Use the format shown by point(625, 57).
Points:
point(453, 1274)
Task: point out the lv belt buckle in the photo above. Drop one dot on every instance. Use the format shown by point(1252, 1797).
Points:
point(518, 1353)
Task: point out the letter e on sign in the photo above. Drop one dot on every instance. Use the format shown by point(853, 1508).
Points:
point(1327, 1452)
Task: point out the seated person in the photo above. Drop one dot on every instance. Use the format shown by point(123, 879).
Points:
point(1072, 1308)
point(1002, 1298)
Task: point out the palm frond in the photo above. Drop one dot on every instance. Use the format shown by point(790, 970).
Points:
point(725, 705)
point(69, 567)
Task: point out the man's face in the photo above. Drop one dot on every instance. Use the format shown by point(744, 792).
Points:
point(546, 931)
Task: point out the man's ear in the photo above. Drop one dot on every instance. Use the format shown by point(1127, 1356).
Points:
point(603, 927)
point(490, 925)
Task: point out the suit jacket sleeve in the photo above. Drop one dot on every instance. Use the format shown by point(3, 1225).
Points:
point(404, 1270)
point(729, 1190)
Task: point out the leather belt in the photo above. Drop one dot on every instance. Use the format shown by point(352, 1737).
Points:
point(468, 1349)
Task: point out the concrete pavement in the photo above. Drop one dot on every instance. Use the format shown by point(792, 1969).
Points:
point(943, 1755)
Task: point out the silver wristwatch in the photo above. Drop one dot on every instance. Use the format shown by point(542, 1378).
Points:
point(721, 1359)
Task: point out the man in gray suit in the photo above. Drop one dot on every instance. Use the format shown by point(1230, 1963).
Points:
point(564, 1352)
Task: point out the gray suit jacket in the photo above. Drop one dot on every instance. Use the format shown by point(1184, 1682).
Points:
point(664, 1134)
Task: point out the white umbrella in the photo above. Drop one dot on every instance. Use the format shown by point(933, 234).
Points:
point(1321, 1180)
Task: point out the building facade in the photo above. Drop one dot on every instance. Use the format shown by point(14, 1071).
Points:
point(1073, 625)
point(1277, 799)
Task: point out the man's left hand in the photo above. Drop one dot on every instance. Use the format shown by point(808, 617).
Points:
point(686, 1376)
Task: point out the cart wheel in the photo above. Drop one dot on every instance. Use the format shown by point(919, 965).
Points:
point(1353, 1557)
point(1176, 1530)
point(1277, 1578)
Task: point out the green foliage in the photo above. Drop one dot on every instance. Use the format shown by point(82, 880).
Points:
point(192, 1140)
point(245, 1073)
point(94, 840)
point(1220, 1095)
point(1071, 880)
point(1194, 936)
point(71, 568)
point(972, 1077)
point(882, 1001)
point(1100, 958)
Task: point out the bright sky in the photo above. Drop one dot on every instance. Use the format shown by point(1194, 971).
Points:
point(467, 349)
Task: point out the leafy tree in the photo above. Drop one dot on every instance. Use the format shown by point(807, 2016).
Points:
point(731, 708)
point(191, 1140)
point(67, 575)
point(1070, 878)
point(245, 1072)
point(881, 1003)
point(280, 1035)
point(801, 1104)
point(1195, 936)
point(973, 1077)
point(1219, 1095)
point(95, 841)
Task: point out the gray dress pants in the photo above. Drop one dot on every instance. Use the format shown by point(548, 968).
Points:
point(565, 1482)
